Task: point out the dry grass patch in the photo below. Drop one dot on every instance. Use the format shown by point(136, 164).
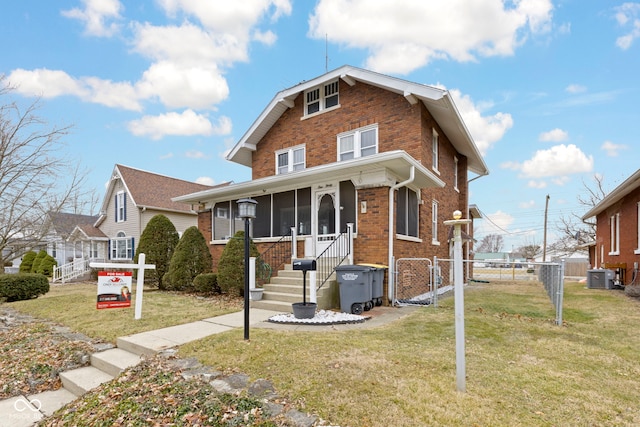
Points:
point(522, 369)
point(74, 305)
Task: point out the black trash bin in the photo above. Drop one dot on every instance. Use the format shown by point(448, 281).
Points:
point(355, 288)
point(377, 287)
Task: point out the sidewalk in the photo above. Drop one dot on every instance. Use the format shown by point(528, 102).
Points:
point(25, 411)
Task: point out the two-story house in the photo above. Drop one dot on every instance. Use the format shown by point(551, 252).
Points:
point(351, 146)
point(617, 219)
point(132, 198)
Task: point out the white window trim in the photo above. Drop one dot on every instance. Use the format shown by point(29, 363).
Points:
point(322, 100)
point(455, 174)
point(434, 223)
point(435, 149)
point(357, 147)
point(128, 248)
point(637, 251)
point(614, 226)
point(120, 208)
point(290, 165)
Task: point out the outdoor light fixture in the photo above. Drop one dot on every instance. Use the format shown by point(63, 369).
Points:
point(246, 211)
point(457, 215)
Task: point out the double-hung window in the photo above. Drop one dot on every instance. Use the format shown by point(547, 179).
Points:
point(637, 251)
point(359, 143)
point(290, 159)
point(121, 206)
point(321, 98)
point(407, 212)
point(435, 147)
point(434, 222)
point(455, 173)
point(614, 223)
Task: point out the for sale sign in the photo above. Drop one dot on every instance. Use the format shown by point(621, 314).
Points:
point(114, 289)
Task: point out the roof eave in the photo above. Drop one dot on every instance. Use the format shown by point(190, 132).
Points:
point(629, 185)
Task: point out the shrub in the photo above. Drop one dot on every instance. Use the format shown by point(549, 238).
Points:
point(22, 286)
point(190, 258)
point(46, 266)
point(27, 262)
point(158, 242)
point(231, 264)
point(38, 259)
point(206, 283)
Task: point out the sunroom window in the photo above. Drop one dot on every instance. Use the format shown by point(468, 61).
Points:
point(322, 97)
point(359, 143)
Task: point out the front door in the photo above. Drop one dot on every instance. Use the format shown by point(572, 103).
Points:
point(325, 217)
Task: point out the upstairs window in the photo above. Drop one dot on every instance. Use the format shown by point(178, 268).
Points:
point(359, 143)
point(121, 206)
point(289, 160)
point(322, 98)
point(435, 147)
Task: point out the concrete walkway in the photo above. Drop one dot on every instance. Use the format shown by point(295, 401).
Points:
point(25, 411)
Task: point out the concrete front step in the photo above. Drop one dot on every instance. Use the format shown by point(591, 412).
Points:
point(81, 380)
point(278, 306)
point(114, 361)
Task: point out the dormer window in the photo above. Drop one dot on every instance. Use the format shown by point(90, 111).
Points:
point(290, 159)
point(321, 98)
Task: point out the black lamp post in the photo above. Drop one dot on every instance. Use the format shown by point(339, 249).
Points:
point(246, 211)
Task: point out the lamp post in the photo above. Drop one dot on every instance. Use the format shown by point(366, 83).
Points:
point(246, 211)
point(457, 222)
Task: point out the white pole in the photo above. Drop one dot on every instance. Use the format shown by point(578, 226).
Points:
point(139, 287)
point(459, 299)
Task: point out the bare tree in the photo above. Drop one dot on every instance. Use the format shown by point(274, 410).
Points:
point(530, 250)
point(491, 243)
point(573, 232)
point(35, 176)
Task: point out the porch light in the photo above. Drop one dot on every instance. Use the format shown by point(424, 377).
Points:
point(247, 208)
point(246, 211)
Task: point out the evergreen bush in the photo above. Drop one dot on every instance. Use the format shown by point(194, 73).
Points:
point(206, 283)
point(38, 259)
point(231, 264)
point(158, 242)
point(190, 258)
point(22, 286)
point(27, 262)
point(46, 266)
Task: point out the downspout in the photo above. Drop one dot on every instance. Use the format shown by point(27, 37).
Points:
point(392, 189)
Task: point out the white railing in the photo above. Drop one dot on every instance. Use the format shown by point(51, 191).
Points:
point(71, 270)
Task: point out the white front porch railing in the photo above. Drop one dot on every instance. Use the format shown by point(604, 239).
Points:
point(71, 270)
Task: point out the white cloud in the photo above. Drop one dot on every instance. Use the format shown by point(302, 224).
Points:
point(267, 37)
point(486, 130)
point(554, 135)
point(97, 16)
point(410, 33)
point(493, 223)
point(539, 185)
point(527, 205)
point(612, 149)
point(205, 180)
point(557, 161)
point(186, 124)
point(575, 88)
point(628, 15)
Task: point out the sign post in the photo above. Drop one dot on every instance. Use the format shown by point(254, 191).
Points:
point(141, 267)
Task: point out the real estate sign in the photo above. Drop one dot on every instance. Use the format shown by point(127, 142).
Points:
point(114, 289)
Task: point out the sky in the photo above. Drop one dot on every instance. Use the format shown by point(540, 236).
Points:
point(547, 88)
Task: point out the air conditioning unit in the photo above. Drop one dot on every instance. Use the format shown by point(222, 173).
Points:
point(600, 279)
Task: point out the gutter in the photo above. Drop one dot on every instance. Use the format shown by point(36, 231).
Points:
point(392, 189)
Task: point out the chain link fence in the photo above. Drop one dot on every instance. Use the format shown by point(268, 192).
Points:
point(419, 281)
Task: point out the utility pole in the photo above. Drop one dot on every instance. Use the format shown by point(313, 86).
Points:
point(544, 243)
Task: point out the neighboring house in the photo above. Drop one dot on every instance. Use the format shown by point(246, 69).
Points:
point(390, 156)
point(132, 198)
point(61, 225)
point(617, 219)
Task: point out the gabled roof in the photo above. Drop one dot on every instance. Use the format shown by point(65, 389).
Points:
point(87, 232)
point(151, 190)
point(437, 101)
point(63, 223)
point(628, 186)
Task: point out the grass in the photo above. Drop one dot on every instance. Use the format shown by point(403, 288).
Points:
point(522, 369)
point(74, 305)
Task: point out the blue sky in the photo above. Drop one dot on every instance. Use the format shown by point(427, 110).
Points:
point(548, 88)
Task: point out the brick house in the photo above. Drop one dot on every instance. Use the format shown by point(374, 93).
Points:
point(350, 147)
point(617, 219)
